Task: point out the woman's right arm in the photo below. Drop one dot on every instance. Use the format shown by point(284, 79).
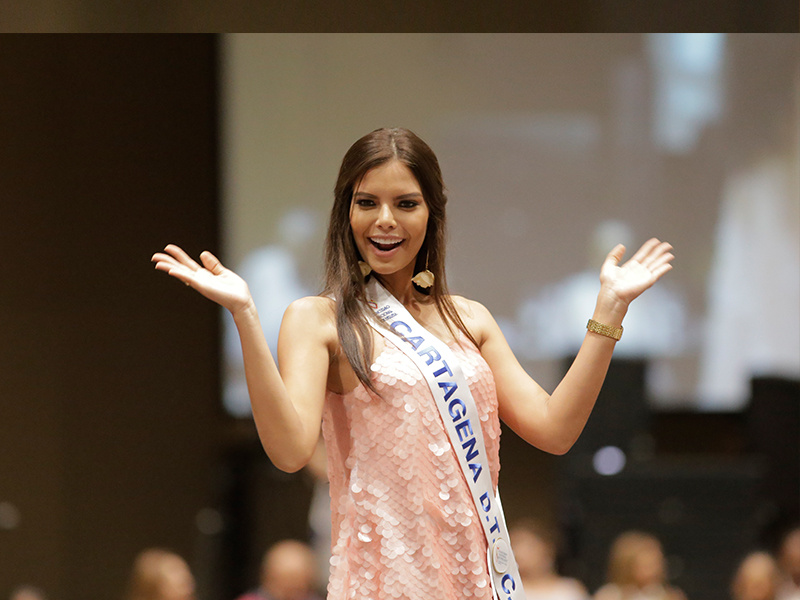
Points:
point(287, 403)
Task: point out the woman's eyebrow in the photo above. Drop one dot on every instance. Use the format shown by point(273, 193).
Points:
point(400, 197)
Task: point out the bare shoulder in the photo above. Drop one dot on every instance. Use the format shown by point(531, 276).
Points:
point(319, 304)
point(313, 316)
point(475, 315)
point(469, 309)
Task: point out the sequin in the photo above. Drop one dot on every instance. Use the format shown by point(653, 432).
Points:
point(437, 449)
point(404, 523)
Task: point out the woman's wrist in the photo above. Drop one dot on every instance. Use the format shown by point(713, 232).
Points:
point(245, 312)
point(609, 309)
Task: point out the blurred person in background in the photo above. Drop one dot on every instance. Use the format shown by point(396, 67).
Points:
point(789, 565)
point(637, 570)
point(288, 572)
point(756, 578)
point(536, 548)
point(159, 574)
point(27, 592)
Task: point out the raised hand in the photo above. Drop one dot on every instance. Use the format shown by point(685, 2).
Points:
point(212, 280)
point(624, 282)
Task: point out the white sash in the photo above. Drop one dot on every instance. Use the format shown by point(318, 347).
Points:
point(460, 417)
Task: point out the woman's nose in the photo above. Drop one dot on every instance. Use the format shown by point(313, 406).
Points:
point(386, 217)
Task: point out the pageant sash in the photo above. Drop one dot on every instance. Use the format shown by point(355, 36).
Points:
point(460, 416)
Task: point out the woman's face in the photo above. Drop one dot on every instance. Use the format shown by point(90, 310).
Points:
point(389, 218)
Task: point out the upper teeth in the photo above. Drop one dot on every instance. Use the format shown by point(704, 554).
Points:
point(386, 240)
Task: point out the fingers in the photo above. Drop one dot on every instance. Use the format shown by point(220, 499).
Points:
point(654, 254)
point(615, 256)
point(657, 262)
point(181, 257)
point(657, 273)
point(182, 274)
point(645, 251)
point(171, 267)
point(163, 261)
point(211, 262)
point(176, 263)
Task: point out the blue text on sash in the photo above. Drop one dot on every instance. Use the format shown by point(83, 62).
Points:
point(456, 407)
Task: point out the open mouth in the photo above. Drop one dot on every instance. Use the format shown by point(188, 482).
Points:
point(385, 245)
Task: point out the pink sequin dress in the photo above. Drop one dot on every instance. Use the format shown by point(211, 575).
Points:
point(404, 524)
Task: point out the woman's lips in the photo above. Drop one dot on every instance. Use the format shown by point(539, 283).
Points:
point(385, 246)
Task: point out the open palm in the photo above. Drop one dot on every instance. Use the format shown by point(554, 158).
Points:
point(211, 279)
point(626, 281)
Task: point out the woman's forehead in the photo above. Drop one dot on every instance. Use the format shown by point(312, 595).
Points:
point(392, 178)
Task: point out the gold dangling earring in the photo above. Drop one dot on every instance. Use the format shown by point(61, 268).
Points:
point(365, 268)
point(424, 279)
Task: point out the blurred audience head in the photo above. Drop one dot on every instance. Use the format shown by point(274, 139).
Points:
point(27, 592)
point(789, 556)
point(288, 571)
point(535, 547)
point(159, 574)
point(756, 578)
point(636, 559)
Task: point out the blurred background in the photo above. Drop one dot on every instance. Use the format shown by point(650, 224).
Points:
point(123, 417)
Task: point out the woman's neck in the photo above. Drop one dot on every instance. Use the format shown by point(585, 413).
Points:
point(401, 287)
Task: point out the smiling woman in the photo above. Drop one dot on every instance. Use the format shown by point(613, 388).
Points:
point(392, 163)
point(408, 383)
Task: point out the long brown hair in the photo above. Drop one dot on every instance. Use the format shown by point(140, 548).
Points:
point(343, 279)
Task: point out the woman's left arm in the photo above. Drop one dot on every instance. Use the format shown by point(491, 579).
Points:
point(552, 422)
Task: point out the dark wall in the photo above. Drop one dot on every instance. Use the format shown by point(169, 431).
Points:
point(403, 16)
point(109, 407)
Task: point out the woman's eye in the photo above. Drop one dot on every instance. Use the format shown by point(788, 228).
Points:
point(365, 202)
point(409, 204)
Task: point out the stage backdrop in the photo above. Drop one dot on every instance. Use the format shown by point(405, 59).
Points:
point(553, 148)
